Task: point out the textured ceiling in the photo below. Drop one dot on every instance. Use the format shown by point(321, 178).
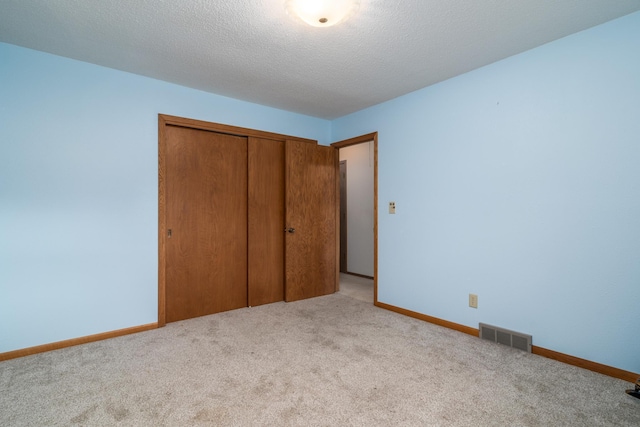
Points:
point(253, 50)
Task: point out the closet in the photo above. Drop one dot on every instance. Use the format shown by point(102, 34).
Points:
point(245, 218)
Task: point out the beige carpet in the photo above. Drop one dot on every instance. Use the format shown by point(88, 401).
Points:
point(328, 361)
point(356, 287)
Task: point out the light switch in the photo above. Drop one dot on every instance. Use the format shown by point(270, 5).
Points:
point(473, 300)
point(392, 207)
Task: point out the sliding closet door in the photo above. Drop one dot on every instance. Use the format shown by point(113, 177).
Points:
point(311, 220)
point(229, 200)
point(206, 221)
point(266, 221)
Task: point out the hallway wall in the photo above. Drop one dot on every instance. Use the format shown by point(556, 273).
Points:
point(359, 207)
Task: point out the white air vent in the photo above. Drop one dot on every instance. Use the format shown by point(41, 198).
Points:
point(506, 337)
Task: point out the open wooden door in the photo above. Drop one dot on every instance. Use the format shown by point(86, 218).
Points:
point(311, 220)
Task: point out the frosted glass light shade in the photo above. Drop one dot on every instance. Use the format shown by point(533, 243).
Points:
point(322, 13)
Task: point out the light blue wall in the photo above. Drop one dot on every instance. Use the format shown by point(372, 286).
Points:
point(520, 182)
point(79, 191)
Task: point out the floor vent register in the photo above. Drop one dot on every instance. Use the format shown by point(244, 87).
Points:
point(506, 337)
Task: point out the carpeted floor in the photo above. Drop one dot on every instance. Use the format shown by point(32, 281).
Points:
point(356, 287)
point(328, 361)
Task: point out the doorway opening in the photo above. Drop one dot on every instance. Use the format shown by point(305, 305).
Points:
point(359, 216)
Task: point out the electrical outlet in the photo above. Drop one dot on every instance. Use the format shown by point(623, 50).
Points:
point(473, 300)
point(392, 207)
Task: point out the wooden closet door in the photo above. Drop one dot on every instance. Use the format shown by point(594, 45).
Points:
point(266, 221)
point(206, 216)
point(311, 218)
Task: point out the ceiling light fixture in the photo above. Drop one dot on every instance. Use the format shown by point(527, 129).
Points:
point(322, 13)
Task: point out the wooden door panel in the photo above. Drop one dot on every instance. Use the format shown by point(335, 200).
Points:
point(206, 197)
point(266, 221)
point(310, 251)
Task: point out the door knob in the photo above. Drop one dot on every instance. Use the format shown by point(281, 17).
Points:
point(290, 230)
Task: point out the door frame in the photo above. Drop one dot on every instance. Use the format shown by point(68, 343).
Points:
point(165, 120)
point(359, 140)
point(343, 209)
